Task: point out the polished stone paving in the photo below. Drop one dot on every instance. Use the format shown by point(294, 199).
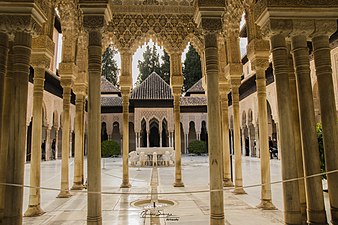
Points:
point(190, 207)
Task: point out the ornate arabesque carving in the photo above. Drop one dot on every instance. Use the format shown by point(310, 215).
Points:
point(173, 32)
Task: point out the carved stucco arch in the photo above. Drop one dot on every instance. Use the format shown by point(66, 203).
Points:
point(128, 31)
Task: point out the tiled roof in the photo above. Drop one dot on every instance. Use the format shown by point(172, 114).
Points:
point(111, 101)
point(196, 88)
point(152, 88)
point(193, 101)
point(107, 87)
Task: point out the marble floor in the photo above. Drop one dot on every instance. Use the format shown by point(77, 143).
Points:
point(190, 207)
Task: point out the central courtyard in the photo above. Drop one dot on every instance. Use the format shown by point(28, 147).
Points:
point(191, 202)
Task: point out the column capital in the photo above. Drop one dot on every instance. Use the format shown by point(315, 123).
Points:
point(80, 89)
point(68, 71)
point(258, 48)
point(276, 26)
point(302, 27)
point(209, 15)
point(324, 27)
point(42, 51)
point(233, 71)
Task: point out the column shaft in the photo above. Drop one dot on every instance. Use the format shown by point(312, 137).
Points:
point(314, 190)
point(226, 143)
point(94, 215)
point(214, 135)
point(4, 113)
point(48, 144)
point(266, 197)
point(292, 213)
point(178, 166)
point(298, 141)
point(125, 105)
point(329, 117)
point(64, 193)
point(34, 193)
point(237, 140)
point(56, 142)
point(16, 152)
point(79, 104)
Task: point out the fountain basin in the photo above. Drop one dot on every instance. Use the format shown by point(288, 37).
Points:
point(148, 204)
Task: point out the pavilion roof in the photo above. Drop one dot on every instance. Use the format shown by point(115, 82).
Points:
point(197, 88)
point(152, 88)
point(111, 101)
point(107, 87)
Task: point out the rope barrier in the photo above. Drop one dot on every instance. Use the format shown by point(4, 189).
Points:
point(177, 192)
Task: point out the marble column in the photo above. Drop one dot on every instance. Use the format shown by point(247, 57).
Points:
point(226, 142)
point(125, 108)
point(148, 139)
point(214, 127)
point(3, 68)
point(161, 139)
point(314, 190)
point(177, 118)
point(34, 208)
point(296, 134)
point(235, 83)
point(18, 112)
point(266, 196)
point(125, 86)
point(292, 212)
point(48, 143)
point(94, 207)
point(56, 142)
point(322, 58)
point(79, 115)
point(7, 70)
point(66, 85)
point(258, 151)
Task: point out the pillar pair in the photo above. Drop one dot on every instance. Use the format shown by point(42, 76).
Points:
point(16, 57)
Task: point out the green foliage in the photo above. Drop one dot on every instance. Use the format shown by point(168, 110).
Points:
point(321, 148)
point(109, 149)
point(192, 70)
point(109, 66)
point(165, 68)
point(150, 63)
point(197, 147)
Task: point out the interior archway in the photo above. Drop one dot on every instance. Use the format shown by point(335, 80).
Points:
point(154, 134)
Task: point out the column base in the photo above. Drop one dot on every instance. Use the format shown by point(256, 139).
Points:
point(266, 205)
point(33, 211)
point(239, 191)
point(125, 185)
point(227, 183)
point(97, 220)
point(77, 187)
point(178, 184)
point(64, 194)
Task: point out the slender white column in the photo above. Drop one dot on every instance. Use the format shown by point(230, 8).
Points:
point(314, 189)
point(237, 143)
point(34, 208)
point(214, 127)
point(79, 114)
point(125, 105)
point(16, 153)
point(328, 109)
point(226, 142)
point(6, 66)
point(292, 212)
point(94, 212)
point(64, 193)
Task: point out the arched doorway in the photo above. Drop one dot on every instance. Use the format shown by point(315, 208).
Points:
point(132, 140)
point(154, 134)
point(116, 136)
point(144, 137)
point(165, 137)
point(104, 134)
point(192, 132)
point(29, 142)
point(204, 133)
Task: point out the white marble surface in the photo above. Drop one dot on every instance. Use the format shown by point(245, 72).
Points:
point(191, 208)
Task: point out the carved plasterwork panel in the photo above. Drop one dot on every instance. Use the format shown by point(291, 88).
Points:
point(173, 32)
point(149, 114)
